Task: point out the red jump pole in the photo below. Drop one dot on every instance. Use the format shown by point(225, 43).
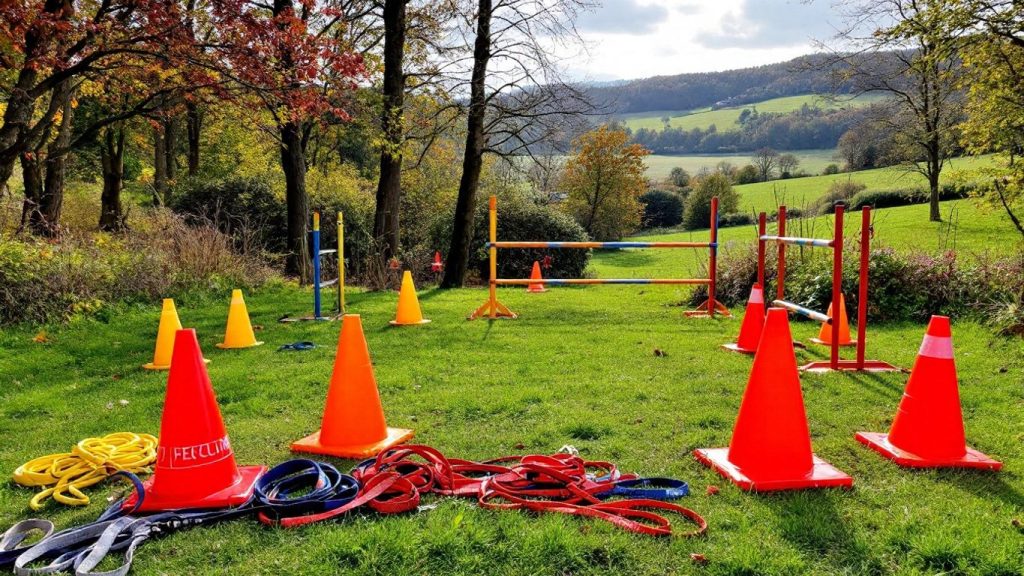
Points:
point(713, 264)
point(862, 287)
point(837, 283)
point(762, 220)
point(781, 276)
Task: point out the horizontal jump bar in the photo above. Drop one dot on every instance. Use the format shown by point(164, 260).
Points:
point(567, 281)
point(332, 251)
point(328, 283)
point(799, 241)
point(602, 244)
point(803, 311)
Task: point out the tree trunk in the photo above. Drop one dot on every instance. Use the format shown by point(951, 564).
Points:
point(52, 200)
point(472, 161)
point(112, 160)
point(32, 180)
point(933, 170)
point(293, 162)
point(389, 186)
point(171, 154)
point(194, 120)
point(159, 164)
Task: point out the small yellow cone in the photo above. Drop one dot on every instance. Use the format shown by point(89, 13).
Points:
point(408, 305)
point(169, 325)
point(239, 332)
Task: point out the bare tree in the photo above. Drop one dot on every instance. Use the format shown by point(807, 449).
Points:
point(766, 160)
point(901, 52)
point(517, 101)
point(788, 164)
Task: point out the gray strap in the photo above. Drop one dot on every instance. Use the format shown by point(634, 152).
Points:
point(140, 529)
point(17, 534)
point(70, 539)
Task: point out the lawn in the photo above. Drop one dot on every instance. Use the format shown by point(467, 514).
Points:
point(579, 367)
point(659, 165)
point(725, 119)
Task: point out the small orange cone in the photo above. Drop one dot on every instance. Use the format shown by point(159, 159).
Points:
point(753, 322)
point(169, 325)
point(771, 443)
point(436, 266)
point(195, 466)
point(408, 305)
point(928, 430)
point(825, 334)
point(239, 332)
point(353, 424)
point(538, 286)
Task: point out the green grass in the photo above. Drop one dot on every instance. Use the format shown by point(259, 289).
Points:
point(725, 119)
point(577, 368)
point(659, 166)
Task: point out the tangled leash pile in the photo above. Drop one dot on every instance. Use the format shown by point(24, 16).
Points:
point(300, 492)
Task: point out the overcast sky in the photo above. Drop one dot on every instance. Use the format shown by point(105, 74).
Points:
point(640, 38)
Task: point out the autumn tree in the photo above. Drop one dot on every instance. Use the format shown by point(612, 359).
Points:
point(604, 180)
point(516, 98)
point(697, 214)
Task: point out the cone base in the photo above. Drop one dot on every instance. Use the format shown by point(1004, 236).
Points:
point(225, 346)
point(152, 366)
point(821, 342)
point(289, 319)
point(234, 495)
point(735, 347)
point(702, 311)
point(313, 445)
point(397, 323)
point(849, 366)
point(879, 442)
point(822, 475)
point(536, 290)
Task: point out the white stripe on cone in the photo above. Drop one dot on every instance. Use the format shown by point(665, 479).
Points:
point(940, 347)
point(756, 296)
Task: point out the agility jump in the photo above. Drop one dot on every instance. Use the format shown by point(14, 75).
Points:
point(318, 282)
point(836, 244)
point(493, 309)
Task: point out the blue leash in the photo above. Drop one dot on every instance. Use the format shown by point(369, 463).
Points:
point(649, 489)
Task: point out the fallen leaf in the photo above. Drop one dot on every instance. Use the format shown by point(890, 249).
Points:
point(122, 402)
point(659, 353)
point(257, 327)
point(712, 490)
point(519, 446)
point(699, 559)
point(41, 338)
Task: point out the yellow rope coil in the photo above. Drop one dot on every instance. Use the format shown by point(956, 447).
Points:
point(90, 461)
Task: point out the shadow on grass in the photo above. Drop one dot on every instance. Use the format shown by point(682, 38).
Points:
point(811, 522)
point(984, 485)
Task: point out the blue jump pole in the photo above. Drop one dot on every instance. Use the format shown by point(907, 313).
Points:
point(316, 265)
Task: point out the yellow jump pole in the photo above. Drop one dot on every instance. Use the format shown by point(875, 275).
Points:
point(492, 308)
point(341, 262)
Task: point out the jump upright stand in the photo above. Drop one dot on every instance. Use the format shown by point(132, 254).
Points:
point(836, 244)
point(493, 309)
point(318, 283)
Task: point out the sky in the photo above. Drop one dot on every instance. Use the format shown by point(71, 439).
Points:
point(628, 39)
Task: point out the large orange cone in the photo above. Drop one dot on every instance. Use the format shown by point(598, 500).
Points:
point(195, 466)
point(408, 305)
point(169, 325)
point(537, 286)
point(771, 444)
point(353, 424)
point(753, 322)
point(239, 332)
point(825, 334)
point(928, 430)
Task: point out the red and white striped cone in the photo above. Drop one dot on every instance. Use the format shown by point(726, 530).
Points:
point(753, 323)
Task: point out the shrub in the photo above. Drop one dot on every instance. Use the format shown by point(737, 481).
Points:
point(838, 191)
point(908, 196)
point(736, 219)
point(698, 203)
point(521, 220)
point(661, 209)
point(238, 207)
point(831, 169)
point(747, 175)
point(160, 256)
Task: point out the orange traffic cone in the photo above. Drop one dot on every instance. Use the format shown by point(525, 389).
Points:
point(825, 334)
point(771, 444)
point(408, 305)
point(169, 324)
point(195, 466)
point(928, 430)
point(753, 322)
point(239, 332)
point(353, 425)
point(538, 286)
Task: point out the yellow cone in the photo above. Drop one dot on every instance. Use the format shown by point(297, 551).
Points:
point(169, 324)
point(408, 305)
point(239, 331)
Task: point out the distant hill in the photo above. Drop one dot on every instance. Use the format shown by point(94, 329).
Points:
point(803, 75)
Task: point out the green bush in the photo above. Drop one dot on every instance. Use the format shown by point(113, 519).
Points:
point(838, 191)
point(661, 209)
point(698, 204)
point(907, 196)
point(736, 219)
point(245, 208)
point(831, 169)
point(747, 175)
point(521, 220)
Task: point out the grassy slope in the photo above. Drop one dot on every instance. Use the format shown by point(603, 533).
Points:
point(659, 166)
point(577, 368)
point(725, 119)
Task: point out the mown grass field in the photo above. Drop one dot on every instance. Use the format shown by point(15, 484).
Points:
point(659, 166)
point(577, 368)
point(725, 119)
